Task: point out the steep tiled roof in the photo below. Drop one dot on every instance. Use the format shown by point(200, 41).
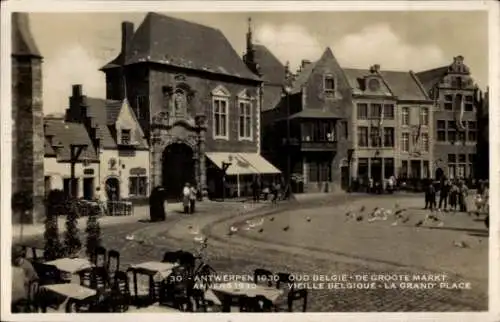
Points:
point(271, 97)
point(97, 109)
point(23, 43)
point(271, 69)
point(401, 84)
point(49, 150)
point(355, 76)
point(404, 85)
point(66, 133)
point(302, 78)
point(175, 42)
point(431, 77)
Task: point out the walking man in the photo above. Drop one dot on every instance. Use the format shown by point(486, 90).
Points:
point(462, 196)
point(186, 193)
point(192, 199)
point(430, 197)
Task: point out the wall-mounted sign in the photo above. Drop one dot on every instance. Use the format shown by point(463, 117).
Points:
point(137, 171)
point(88, 171)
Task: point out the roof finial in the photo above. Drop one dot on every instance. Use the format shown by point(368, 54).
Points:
point(250, 24)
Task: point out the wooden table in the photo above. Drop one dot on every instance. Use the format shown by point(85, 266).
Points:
point(153, 270)
point(67, 291)
point(70, 265)
point(242, 288)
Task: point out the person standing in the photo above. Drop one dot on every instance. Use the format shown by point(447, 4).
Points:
point(157, 204)
point(255, 190)
point(453, 196)
point(430, 197)
point(462, 196)
point(192, 198)
point(101, 202)
point(443, 195)
point(186, 193)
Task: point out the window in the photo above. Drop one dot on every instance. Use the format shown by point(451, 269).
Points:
point(405, 116)
point(329, 84)
point(472, 131)
point(221, 118)
point(389, 111)
point(318, 131)
point(320, 171)
point(362, 136)
point(469, 103)
point(346, 129)
point(452, 158)
point(362, 111)
point(362, 167)
point(125, 137)
point(424, 116)
point(452, 133)
point(376, 111)
point(138, 186)
point(441, 130)
point(462, 158)
point(245, 121)
point(448, 102)
point(389, 136)
point(142, 106)
point(425, 142)
point(375, 137)
point(427, 170)
point(461, 136)
point(405, 142)
point(404, 169)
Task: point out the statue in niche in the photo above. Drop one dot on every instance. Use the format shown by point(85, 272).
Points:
point(179, 101)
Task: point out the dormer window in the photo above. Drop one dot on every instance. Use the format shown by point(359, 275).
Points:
point(329, 84)
point(373, 84)
point(125, 137)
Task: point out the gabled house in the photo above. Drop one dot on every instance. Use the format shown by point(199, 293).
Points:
point(456, 100)
point(308, 129)
point(196, 101)
point(123, 151)
point(62, 140)
point(392, 125)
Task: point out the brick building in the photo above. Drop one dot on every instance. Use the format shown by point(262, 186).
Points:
point(27, 116)
point(392, 125)
point(197, 103)
point(456, 100)
point(315, 114)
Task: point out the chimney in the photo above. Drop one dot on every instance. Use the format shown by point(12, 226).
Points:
point(375, 69)
point(127, 34)
point(304, 63)
point(77, 91)
point(77, 105)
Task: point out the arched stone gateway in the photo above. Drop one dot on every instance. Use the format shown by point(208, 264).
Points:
point(113, 188)
point(178, 167)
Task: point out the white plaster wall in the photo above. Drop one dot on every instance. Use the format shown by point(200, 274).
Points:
point(58, 171)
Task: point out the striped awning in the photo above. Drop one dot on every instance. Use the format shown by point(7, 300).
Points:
point(242, 163)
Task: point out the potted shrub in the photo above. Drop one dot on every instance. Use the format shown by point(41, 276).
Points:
point(72, 242)
point(93, 231)
point(54, 207)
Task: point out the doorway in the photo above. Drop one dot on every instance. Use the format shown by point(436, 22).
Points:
point(178, 169)
point(88, 188)
point(113, 189)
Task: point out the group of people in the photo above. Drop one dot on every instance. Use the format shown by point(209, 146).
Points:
point(274, 189)
point(158, 200)
point(452, 195)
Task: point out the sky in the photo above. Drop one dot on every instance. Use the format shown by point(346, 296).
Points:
point(76, 45)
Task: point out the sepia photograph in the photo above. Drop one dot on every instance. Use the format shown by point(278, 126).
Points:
point(238, 160)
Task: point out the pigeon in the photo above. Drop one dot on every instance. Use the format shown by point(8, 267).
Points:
point(362, 209)
point(233, 229)
point(460, 244)
point(129, 237)
point(394, 223)
point(261, 230)
point(271, 219)
point(190, 227)
point(308, 219)
point(286, 228)
point(405, 220)
point(420, 223)
point(399, 211)
point(348, 214)
point(359, 218)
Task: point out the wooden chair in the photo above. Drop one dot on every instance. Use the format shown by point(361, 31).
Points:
point(297, 295)
point(120, 292)
point(85, 277)
point(113, 257)
point(99, 256)
point(99, 278)
point(263, 276)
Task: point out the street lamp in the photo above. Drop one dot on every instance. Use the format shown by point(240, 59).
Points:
point(75, 152)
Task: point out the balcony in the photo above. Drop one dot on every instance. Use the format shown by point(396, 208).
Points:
point(310, 145)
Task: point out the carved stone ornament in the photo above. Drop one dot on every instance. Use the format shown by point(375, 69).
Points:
point(190, 141)
point(161, 118)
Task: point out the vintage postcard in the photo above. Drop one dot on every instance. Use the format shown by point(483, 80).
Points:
point(235, 157)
